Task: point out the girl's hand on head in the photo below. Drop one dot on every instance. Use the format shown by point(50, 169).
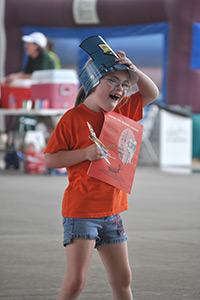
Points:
point(122, 59)
point(147, 87)
point(93, 153)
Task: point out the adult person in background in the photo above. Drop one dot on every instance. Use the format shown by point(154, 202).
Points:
point(53, 55)
point(38, 57)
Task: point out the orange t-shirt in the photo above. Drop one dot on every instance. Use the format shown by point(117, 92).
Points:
point(85, 196)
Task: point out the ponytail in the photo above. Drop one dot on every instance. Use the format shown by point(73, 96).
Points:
point(80, 98)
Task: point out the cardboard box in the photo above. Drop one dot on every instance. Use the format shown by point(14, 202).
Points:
point(59, 87)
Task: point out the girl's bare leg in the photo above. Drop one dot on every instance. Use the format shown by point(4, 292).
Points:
point(78, 254)
point(115, 260)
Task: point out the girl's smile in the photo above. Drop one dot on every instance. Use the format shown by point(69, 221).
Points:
point(109, 93)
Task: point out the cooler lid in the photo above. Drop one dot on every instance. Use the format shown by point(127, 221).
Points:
point(21, 83)
point(55, 76)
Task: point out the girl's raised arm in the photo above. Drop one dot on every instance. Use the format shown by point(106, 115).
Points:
point(146, 86)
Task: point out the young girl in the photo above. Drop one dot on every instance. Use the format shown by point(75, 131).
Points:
point(91, 207)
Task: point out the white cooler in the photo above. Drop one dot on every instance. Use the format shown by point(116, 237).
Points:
point(59, 87)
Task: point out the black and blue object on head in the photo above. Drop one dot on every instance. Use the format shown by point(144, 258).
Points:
point(102, 63)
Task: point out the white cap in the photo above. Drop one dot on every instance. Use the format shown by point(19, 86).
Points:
point(37, 38)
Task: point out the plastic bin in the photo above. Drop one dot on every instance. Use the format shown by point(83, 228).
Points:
point(170, 137)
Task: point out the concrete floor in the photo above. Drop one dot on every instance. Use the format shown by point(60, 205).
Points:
point(162, 224)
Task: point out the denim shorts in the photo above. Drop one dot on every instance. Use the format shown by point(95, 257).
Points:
point(108, 230)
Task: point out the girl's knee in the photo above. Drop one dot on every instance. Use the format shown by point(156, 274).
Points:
point(126, 281)
point(123, 280)
point(76, 285)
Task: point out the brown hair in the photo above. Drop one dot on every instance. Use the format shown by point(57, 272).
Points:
point(80, 98)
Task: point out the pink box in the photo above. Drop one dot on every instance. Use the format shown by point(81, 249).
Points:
point(59, 87)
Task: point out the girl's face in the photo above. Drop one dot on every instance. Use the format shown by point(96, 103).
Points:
point(109, 93)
